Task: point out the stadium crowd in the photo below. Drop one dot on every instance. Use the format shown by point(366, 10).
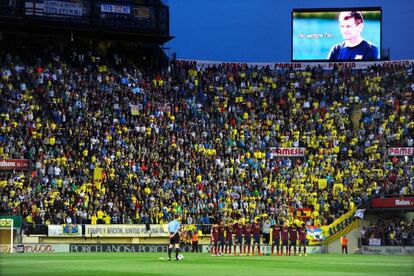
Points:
point(112, 143)
point(390, 231)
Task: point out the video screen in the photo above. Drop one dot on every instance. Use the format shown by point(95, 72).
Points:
point(342, 34)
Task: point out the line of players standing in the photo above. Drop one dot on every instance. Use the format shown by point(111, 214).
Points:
point(282, 236)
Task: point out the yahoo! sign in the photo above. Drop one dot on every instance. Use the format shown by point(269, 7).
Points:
point(393, 202)
point(14, 164)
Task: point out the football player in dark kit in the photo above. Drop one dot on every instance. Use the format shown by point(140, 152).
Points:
point(221, 238)
point(354, 47)
point(293, 238)
point(247, 238)
point(284, 236)
point(229, 238)
point(238, 231)
point(214, 240)
point(276, 238)
point(256, 227)
point(302, 239)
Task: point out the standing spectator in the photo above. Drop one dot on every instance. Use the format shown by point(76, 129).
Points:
point(194, 240)
point(344, 244)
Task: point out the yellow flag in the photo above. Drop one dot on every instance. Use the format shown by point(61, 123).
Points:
point(322, 183)
point(97, 174)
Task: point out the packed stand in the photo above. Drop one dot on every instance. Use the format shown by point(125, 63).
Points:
point(390, 231)
point(111, 143)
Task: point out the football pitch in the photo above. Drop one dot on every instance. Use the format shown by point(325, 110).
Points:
point(202, 264)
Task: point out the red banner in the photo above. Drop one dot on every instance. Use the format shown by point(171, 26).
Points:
point(406, 151)
point(393, 202)
point(14, 164)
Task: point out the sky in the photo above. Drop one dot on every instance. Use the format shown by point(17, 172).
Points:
point(260, 30)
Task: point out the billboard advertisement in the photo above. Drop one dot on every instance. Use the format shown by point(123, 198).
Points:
point(14, 164)
point(393, 202)
point(388, 250)
point(401, 151)
point(286, 152)
point(125, 230)
point(122, 248)
point(58, 9)
point(339, 34)
point(35, 248)
point(126, 15)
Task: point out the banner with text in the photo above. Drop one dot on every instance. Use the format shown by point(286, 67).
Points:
point(401, 151)
point(121, 9)
point(14, 164)
point(388, 250)
point(340, 226)
point(126, 230)
point(121, 248)
point(393, 202)
point(53, 8)
point(35, 248)
point(309, 249)
point(287, 152)
point(305, 65)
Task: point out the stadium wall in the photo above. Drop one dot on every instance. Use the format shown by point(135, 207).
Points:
point(353, 236)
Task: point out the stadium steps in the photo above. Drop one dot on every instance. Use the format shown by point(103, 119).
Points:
point(356, 116)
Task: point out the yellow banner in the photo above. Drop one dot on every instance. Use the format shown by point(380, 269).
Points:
point(341, 226)
point(348, 228)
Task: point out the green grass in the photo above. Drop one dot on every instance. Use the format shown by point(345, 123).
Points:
point(76, 264)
